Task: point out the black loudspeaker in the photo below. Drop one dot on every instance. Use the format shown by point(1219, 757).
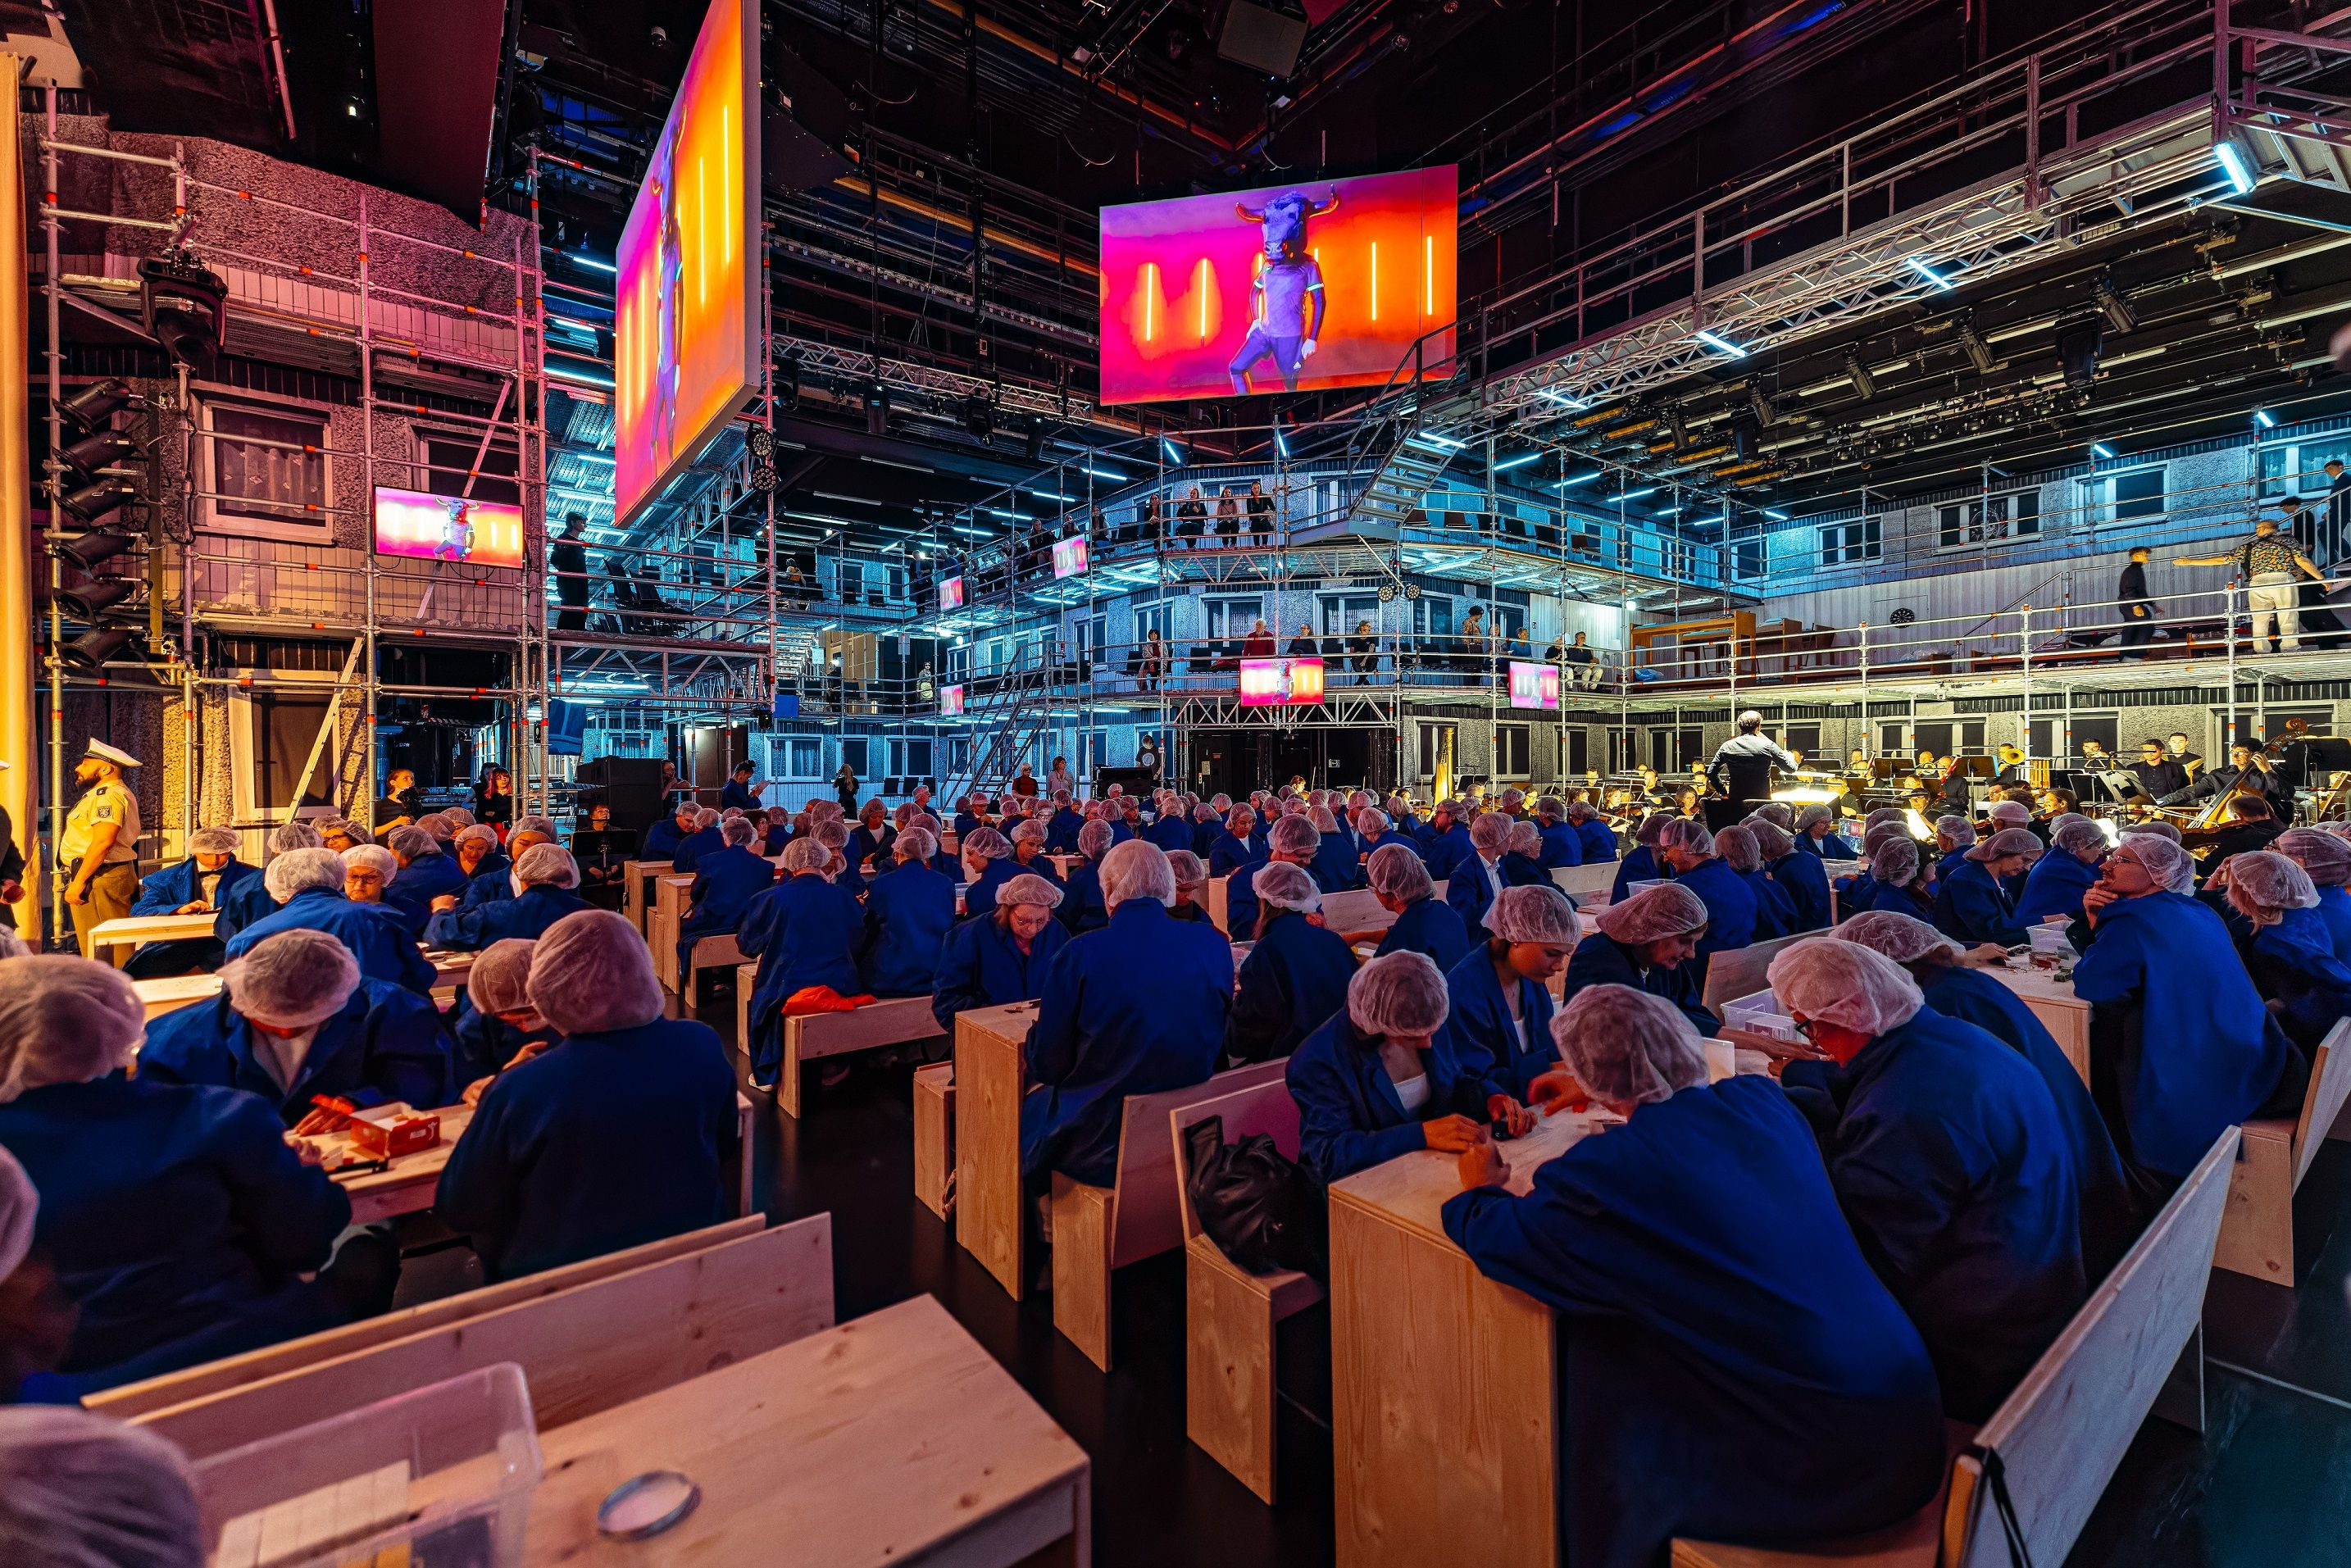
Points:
point(2077, 351)
point(800, 141)
point(1133, 781)
point(1261, 38)
point(632, 786)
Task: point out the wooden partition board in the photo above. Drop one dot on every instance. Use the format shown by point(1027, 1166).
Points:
point(662, 922)
point(990, 1080)
point(1217, 905)
point(1356, 909)
point(584, 1349)
point(1587, 884)
point(2257, 1234)
point(633, 892)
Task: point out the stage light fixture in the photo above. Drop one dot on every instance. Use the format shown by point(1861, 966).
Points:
point(86, 551)
point(1175, 453)
point(1521, 461)
point(788, 386)
point(104, 450)
point(1280, 442)
point(979, 416)
point(1978, 352)
point(1766, 415)
point(98, 402)
point(96, 648)
point(760, 443)
point(2265, 418)
point(2101, 450)
point(1679, 427)
point(100, 496)
point(1930, 274)
point(93, 598)
point(1720, 344)
point(1572, 480)
point(876, 398)
point(764, 478)
point(1575, 404)
point(1864, 384)
point(1776, 515)
point(2114, 306)
point(2077, 351)
point(2233, 168)
point(184, 307)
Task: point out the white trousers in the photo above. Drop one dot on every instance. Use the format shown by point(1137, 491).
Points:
point(2269, 593)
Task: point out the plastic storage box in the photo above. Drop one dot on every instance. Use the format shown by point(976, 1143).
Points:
point(1760, 1014)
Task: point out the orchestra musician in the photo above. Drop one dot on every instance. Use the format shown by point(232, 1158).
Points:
point(2157, 773)
point(2248, 766)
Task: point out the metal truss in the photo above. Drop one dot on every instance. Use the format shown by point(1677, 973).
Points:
point(1338, 710)
point(948, 386)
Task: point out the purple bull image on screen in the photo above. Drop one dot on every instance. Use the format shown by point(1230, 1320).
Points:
point(447, 527)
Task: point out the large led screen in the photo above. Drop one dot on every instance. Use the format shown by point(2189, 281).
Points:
point(1068, 557)
point(447, 527)
point(1323, 284)
point(1534, 685)
point(1280, 683)
point(686, 351)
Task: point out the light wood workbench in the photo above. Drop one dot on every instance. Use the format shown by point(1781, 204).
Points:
point(635, 875)
point(449, 973)
point(991, 1079)
point(2065, 1016)
point(113, 941)
point(408, 1186)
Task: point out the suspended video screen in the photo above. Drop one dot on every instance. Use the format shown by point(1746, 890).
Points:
point(1325, 283)
point(426, 527)
point(1534, 685)
point(1280, 683)
point(686, 350)
point(1068, 557)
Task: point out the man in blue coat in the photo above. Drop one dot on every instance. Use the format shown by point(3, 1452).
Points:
point(309, 884)
point(1425, 924)
point(425, 873)
point(1816, 834)
point(295, 1019)
point(1641, 862)
point(724, 883)
point(987, 861)
point(250, 900)
point(201, 885)
point(1003, 960)
point(1379, 1079)
point(1687, 849)
point(1499, 993)
point(2061, 876)
point(1948, 1160)
point(1296, 975)
point(1375, 830)
point(1477, 877)
point(1648, 943)
point(1293, 840)
point(544, 877)
point(1800, 876)
point(1596, 839)
point(619, 1135)
point(1168, 829)
point(1337, 864)
point(804, 932)
point(687, 852)
point(1561, 844)
point(1974, 904)
point(908, 915)
point(1133, 1008)
point(663, 838)
point(1447, 844)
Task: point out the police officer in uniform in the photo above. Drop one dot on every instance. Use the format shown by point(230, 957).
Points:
point(100, 852)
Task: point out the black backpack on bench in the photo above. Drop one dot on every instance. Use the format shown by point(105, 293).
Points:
point(1265, 1213)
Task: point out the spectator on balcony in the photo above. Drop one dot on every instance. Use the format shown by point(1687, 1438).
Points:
point(1470, 646)
point(1260, 512)
point(1303, 646)
point(1365, 647)
point(1155, 663)
point(1259, 644)
point(1229, 515)
point(1151, 525)
point(567, 559)
point(1582, 663)
point(1191, 515)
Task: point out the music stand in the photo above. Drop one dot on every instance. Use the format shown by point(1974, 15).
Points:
point(2119, 786)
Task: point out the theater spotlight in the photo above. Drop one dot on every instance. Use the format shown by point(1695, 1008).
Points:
point(1766, 415)
point(95, 499)
point(96, 648)
point(876, 398)
point(98, 402)
point(2115, 307)
point(184, 307)
point(91, 600)
point(788, 386)
point(1979, 353)
point(760, 444)
point(87, 550)
point(2077, 351)
point(1864, 384)
point(103, 450)
point(980, 416)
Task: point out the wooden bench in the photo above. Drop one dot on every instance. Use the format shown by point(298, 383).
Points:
point(1736, 972)
point(1098, 1229)
point(2135, 1348)
point(898, 1020)
point(2257, 1237)
point(934, 1134)
point(1229, 1313)
point(660, 926)
point(581, 1350)
point(635, 875)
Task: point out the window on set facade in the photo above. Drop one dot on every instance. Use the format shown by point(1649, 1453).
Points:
point(1842, 543)
point(268, 470)
point(1988, 520)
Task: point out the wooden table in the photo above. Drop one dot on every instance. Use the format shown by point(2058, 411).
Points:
point(1740, 625)
point(891, 1441)
point(662, 922)
point(991, 1079)
point(2065, 1016)
point(449, 973)
point(633, 895)
point(408, 1186)
point(1443, 1405)
point(113, 941)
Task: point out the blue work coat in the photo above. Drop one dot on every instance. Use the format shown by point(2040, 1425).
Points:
point(1471, 893)
point(1133, 1008)
point(1601, 960)
point(688, 851)
point(375, 934)
point(481, 1044)
point(421, 882)
point(1293, 978)
point(1062, 832)
point(1446, 851)
point(1727, 1353)
point(803, 931)
point(907, 916)
point(1948, 1158)
point(1946, 864)
point(1973, 905)
point(1240, 901)
point(1349, 1118)
point(240, 908)
point(1336, 866)
point(1868, 894)
point(606, 1142)
point(1562, 845)
point(865, 844)
point(1228, 853)
point(526, 916)
point(163, 892)
point(979, 898)
point(724, 883)
point(1170, 833)
point(1487, 1045)
point(1082, 909)
point(385, 1044)
point(485, 886)
point(1806, 885)
point(1729, 907)
point(981, 966)
point(661, 838)
point(2055, 886)
point(1599, 840)
point(1640, 864)
point(2293, 963)
point(1834, 847)
point(2335, 909)
point(1524, 871)
point(738, 796)
point(1775, 912)
point(1429, 927)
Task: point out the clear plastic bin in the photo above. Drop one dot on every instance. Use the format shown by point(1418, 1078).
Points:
point(1636, 886)
point(334, 1492)
point(2049, 946)
point(1760, 1014)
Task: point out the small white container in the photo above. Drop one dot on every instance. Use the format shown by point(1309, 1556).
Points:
point(1760, 1014)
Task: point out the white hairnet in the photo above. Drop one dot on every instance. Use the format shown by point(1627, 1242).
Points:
point(298, 871)
point(1203, 812)
point(479, 833)
point(543, 826)
point(1652, 915)
point(412, 842)
point(704, 818)
point(1188, 871)
point(1955, 831)
point(2271, 881)
point(1534, 913)
point(1845, 984)
point(2323, 857)
point(375, 857)
point(64, 1019)
point(1513, 796)
point(1896, 861)
point(1775, 812)
point(1688, 835)
point(591, 972)
point(1030, 831)
point(2007, 841)
point(1526, 838)
point(1286, 885)
point(457, 817)
point(81, 1490)
point(1028, 888)
point(2169, 865)
point(1884, 833)
point(1549, 809)
point(737, 831)
point(2155, 826)
point(2077, 835)
point(917, 844)
point(2008, 811)
point(1324, 822)
point(1094, 839)
point(1579, 811)
point(1739, 848)
point(213, 841)
point(293, 979)
point(1812, 815)
point(436, 826)
point(1628, 1047)
point(1883, 814)
point(925, 822)
point(1771, 839)
point(1292, 836)
point(1136, 868)
point(1400, 993)
point(499, 981)
point(833, 834)
point(1239, 821)
point(1371, 821)
point(20, 1204)
point(545, 866)
point(803, 854)
point(1491, 831)
point(294, 836)
point(1399, 873)
point(1901, 938)
point(988, 845)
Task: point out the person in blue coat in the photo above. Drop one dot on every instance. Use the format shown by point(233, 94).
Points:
point(908, 915)
point(1379, 1078)
point(987, 865)
point(1169, 829)
point(1207, 827)
point(493, 879)
point(724, 883)
point(1030, 855)
point(1499, 993)
point(1896, 881)
point(616, 1136)
point(685, 855)
point(425, 873)
point(200, 884)
point(971, 816)
point(663, 838)
point(1338, 865)
point(1562, 845)
point(1522, 864)
point(1296, 974)
point(174, 1216)
point(478, 853)
point(775, 830)
point(1775, 911)
point(1816, 834)
point(1003, 960)
point(2286, 948)
point(251, 899)
point(740, 793)
point(494, 1024)
point(1641, 862)
point(543, 880)
point(295, 1019)
point(1081, 908)
point(1476, 876)
point(1424, 923)
point(1801, 878)
point(1293, 840)
point(1648, 943)
point(803, 932)
point(2110, 1218)
point(1595, 838)
point(1136, 1007)
point(1731, 1369)
point(2061, 876)
point(1063, 827)
point(1954, 836)
point(309, 884)
point(1687, 849)
point(1974, 904)
point(1375, 832)
point(869, 847)
point(2326, 861)
point(1234, 848)
point(1447, 843)
point(1949, 1162)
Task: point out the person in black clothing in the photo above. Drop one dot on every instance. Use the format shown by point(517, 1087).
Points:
point(1303, 645)
point(1742, 765)
point(2137, 610)
point(399, 805)
point(1365, 646)
point(2157, 774)
point(2245, 762)
point(12, 871)
point(2320, 625)
point(1260, 512)
point(2252, 825)
point(1191, 515)
point(567, 559)
point(2338, 529)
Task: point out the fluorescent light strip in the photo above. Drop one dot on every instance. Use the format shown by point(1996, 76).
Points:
point(1572, 480)
point(584, 259)
point(1521, 461)
point(2232, 167)
point(1929, 273)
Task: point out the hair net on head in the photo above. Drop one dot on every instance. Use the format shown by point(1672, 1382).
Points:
point(299, 870)
point(1739, 848)
point(1534, 913)
point(544, 826)
point(1371, 821)
point(2008, 811)
point(1491, 832)
point(1513, 798)
point(925, 822)
point(1880, 836)
point(1901, 938)
point(375, 857)
point(80, 1491)
point(1526, 838)
point(1401, 993)
point(1775, 812)
point(1028, 888)
point(1549, 809)
point(215, 842)
point(2171, 866)
point(19, 1206)
point(990, 845)
point(413, 843)
point(1399, 873)
point(1188, 871)
point(436, 826)
point(1771, 839)
point(499, 981)
point(1028, 832)
point(1883, 814)
point(296, 836)
point(918, 844)
point(1686, 835)
point(804, 854)
point(2271, 881)
point(1955, 830)
point(1284, 885)
point(1845, 984)
point(1324, 822)
point(1203, 812)
point(2007, 841)
point(2325, 857)
point(728, 813)
point(1094, 840)
point(2077, 835)
point(1292, 836)
point(833, 835)
point(592, 972)
point(293, 979)
point(1812, 815)
point(457, 817)
point(1579, 811)
point(2157, 827)
point(1239, 820)
point(1628, 1047)
point(64, 1019)
point(704, 818)
point(1895, 862)
point(1652, 915)
point(1136, 868)
point(479, 833)
point(547, 865)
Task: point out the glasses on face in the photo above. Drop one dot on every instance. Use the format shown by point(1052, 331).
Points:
point(1804, 1027)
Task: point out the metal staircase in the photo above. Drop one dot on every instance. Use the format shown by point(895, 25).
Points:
point(1006, 724)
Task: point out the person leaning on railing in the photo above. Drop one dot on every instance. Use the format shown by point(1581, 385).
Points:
point(2268, 565)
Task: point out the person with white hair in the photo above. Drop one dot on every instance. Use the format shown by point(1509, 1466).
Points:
point(1501, 989)
point(1686, 849)
point(1291, 840)
point(1003, 960)
point(908, 912)
point(200, 884)
point(368, 871)
point(1595, 838)
point(1956, 988)
point(426, 873)
point(1240, 843)
point(2055, 885)
point(1296, 973)
point(2326, 859)
point(724, 883)
point(1954, 834)
point(493, 1024)
point(1649, 942)
point(706, 839)
point(2284, 941)
point(1191, 886)
point(988, 864)
point(544, 882)
point(1444, 842)
point(664, 837)
point(1716, 1319)
point(310, 887)
point(1976, 903)
point(1522, 864)
point(78, 1489)
point(1950, 1161)
point(1133, 1008)
point(803, 931)
point(477, 850)
point(251, 899)
point(619, 1135)
point(1477, 877)
point(1424, 923)
point(177, 1216)
point(1380, 1077)
point(1641, 862)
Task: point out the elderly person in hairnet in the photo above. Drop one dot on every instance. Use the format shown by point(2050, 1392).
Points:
point(1816, 834)
point(1082, 909)
point(476, 850)
point(368, 871)
point(1728, 1356)
point(1291, 841)
point(687, 854)
point(1954, 836)
point(1170, 828)
point(1424, 923)
point(1028, 852)
point(1949, 1160)
point(664, 837)
point(2057, 880)
point(1133, 1008)
point(1191, 886)
point(1649, 942)
point(2272, 914)
point(544, 879)
point(310, 887)
point(251, 899)
point(1596, 840)
point(1686, 849)
point(426, 874)
point(1561, 844)
point(1523, 858)
point(1641, 862)
point(1897, 880)
point(1477, 877)
point(724, 883)
point(1976, 902)
point(82, 1490)
point(1775, 912)
point(803, 931)
point(177, 1216)
point(1499, 991)
point(1000, 960)
point(490, 883)
point(617, 1136)
point(908, 914)
point(1379, 1078)
point(494, 1024)
point(1801, 878)
point(870, 843)
point(1444, 840)
point(1296, 974)
point(1951, 986)
point(1240, 846)
point(988, 863)
point(201, 885)
point(2326, 859)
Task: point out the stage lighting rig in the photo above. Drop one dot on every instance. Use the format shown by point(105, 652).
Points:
point(1766, 414)
point(184, 308)
point(2078, 343)
point(2114, 306)
point(90, 409)
point(979, 416)
point(1978, 352)
point(1865, 385)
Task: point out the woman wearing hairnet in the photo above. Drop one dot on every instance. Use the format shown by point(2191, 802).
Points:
point(310, 887)
point(295, 1018)
point(908, 914)
point(1191, 886)
point(1476, 876)
point(1380, 1077)
point(1954, 836)
point(1775, 912)
point(1817, 835)
point(685, 856)
point(1499, 994)
point(987, 865)
point(801, 931)
point(2285, 945)
point(1649, 943)
point(426, 871)
point(1296, 974)
point(1799, 879)
point(477, 852)
point(36, 1316)
point(1562, 845)
point(1028, 853)
point(2110, 1218)
point(251, 899)
point(1598, 840)
point(1240, 844)
point(1523, 858)
point(1291, 841)
point(615, 1136)
point(2069, 869)
point(1896, 881)
point(82, 1490)
point(1133, 1008)
point(1975, 904)
point(542, 880)
point(1424, 923)
point(1687, 850)
point(2326, 859)
point(494, 1024)
point(1731, 1369)
point(201, 885)
point(177, 1217)
point(1000, 960)
point(1948, 1158)
point(493, 880)
point(726, 881)
point(871, 843)
point(1082, 909)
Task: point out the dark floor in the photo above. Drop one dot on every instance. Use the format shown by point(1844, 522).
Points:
point(2269, 1484)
